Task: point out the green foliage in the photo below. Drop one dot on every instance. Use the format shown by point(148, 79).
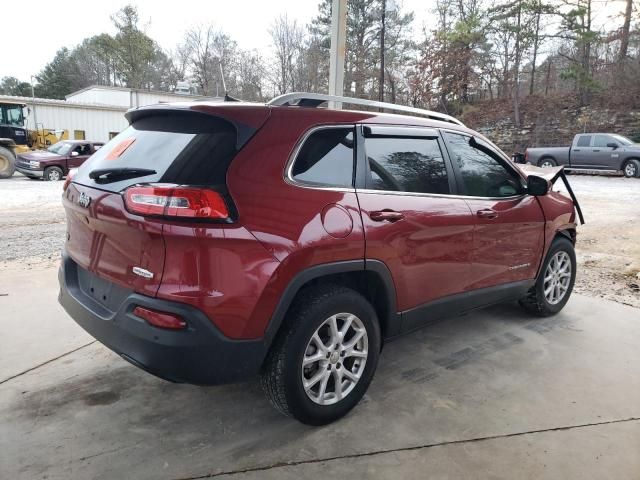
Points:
point(13, 86)
point(130, 58)
point(59, 77)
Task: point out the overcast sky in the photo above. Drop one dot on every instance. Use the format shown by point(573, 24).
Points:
point(33, 31)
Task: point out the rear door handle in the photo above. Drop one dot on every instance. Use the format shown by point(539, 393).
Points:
point(487, 213)
point(386, 216)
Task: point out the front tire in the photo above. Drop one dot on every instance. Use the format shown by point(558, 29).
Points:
point(7, 163)
point(631, 169)
point(555, 281)
point(53, 174)
point(325, 356)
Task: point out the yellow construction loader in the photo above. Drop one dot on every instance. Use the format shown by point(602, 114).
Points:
point(16, 139)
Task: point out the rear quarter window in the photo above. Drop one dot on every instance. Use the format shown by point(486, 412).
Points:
point(182, 148)
point(326, 158)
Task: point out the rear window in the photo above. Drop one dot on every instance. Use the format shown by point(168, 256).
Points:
point(584, 140)
point(182, 148)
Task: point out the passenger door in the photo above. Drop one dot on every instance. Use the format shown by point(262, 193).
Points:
point(581, 151)
point(83, 152)
point(602, 154)
point(412, 223)
point(509, 224)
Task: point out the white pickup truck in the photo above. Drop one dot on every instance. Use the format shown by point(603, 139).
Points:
point(591, 151)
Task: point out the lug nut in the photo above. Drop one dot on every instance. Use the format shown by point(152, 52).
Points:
point(342, 353)
point(338, 365)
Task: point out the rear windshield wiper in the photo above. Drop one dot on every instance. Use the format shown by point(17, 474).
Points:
point(106, 175)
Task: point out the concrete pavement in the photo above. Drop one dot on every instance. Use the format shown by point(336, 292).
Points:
point(493, 394)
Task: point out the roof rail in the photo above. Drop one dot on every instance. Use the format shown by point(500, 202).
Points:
point(313, 100)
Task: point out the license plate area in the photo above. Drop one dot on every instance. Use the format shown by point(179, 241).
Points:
point(107, 294)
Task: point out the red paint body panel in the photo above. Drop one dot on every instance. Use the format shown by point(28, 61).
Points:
point(287, 218)
point(428, 252)
point(507, 248)
point(221, 270)
point(559, 215)
point(109, 241)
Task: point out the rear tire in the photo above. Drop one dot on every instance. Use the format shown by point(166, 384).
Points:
point(53, 174)
point(342, 372)
point(7, 163)
point(555, 281)
point(631, 168)
point(547, 162)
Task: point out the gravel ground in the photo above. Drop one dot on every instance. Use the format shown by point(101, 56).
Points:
point(32, 230)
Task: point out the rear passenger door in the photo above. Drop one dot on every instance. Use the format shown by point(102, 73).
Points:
point(412, 223)
point(509, 224)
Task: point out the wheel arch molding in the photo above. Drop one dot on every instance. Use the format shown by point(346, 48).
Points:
point(368, 277)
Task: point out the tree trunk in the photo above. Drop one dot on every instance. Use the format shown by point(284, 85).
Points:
point(516, 83)
point(546, 85)
point(624, 38)
point(382, 33)
point(536, 44)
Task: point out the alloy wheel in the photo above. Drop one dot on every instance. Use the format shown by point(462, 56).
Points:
point(335, 358)
point(557, 277)
point(54, 176)
point(630, 170)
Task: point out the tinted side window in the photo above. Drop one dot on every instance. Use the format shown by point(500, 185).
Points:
point(601, 141)
point(481, 174)
point(326, 158)
point(584, 141)
point(406, 165)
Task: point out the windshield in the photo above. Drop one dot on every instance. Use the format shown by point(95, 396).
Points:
point(60, 148)
point(12, 115)
point(622, 140)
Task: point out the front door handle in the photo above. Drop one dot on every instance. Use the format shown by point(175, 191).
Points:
point(386, 216)
point(487, 213)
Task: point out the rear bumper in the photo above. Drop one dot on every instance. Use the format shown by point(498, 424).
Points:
point(199, 354)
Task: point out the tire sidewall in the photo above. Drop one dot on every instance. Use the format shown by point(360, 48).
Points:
point(544, 160)
point(558, 244)
point(48, 170)
point(301, 406)
point(636, 166)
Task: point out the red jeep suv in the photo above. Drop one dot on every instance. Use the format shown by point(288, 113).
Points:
point(209, 242)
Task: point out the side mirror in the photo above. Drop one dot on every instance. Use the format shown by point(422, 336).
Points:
point(612, 145)
point(537, 186)
point(74, 154)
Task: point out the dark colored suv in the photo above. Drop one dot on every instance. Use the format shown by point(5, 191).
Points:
point(209, 242)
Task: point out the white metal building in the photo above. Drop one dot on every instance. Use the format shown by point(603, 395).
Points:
point(93, 113)
point(126, 97)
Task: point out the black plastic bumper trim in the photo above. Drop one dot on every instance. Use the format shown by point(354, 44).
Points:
point(200, 354)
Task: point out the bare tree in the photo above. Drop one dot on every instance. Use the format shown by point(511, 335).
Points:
point(287, 37)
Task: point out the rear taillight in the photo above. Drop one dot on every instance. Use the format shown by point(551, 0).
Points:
point(160, 319)
point(67, 181)
point(172, 201)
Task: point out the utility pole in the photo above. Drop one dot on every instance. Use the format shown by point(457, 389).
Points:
point(338, 46)
point(33, 101)
point(383, 18)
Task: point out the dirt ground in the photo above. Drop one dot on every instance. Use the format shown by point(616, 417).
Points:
point(32, 230)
